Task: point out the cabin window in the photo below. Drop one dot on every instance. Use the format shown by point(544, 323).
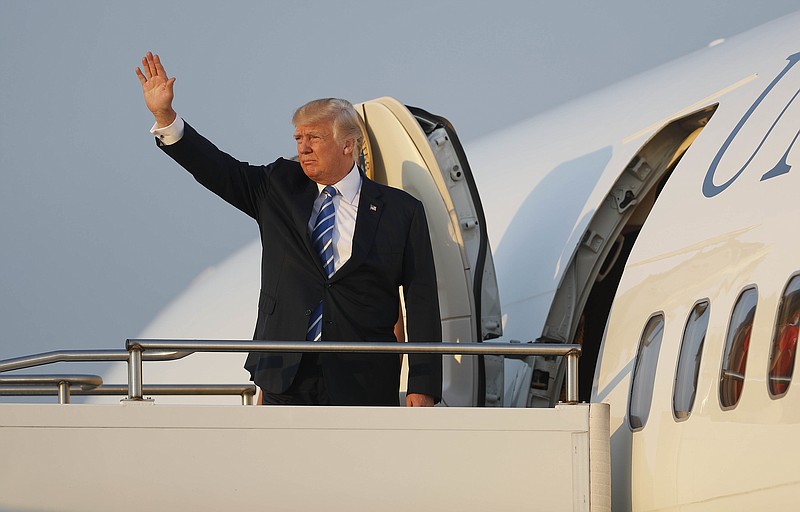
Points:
point(694, 335)
point(644, 373)
point(734, 361)
point(784, 341)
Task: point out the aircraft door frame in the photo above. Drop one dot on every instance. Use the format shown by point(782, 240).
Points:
point(627, 205)
point(413, 150)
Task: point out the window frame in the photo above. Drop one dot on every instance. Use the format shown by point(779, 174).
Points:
point(725, 349)
point(699, 362)
point(778, 314)
point(662, 316)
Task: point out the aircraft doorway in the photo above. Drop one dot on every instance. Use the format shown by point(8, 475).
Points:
point(583, 301)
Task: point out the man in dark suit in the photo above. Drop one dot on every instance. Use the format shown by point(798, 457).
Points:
point(368, 240)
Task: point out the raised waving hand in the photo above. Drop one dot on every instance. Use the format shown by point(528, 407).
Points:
point(157, 89)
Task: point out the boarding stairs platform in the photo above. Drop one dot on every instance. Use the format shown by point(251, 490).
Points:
point(143, 455)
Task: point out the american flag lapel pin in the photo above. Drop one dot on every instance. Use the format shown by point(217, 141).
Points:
point(373, 208)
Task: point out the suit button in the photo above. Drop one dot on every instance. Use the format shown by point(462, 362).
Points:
point(308, 312)
point(328, 285)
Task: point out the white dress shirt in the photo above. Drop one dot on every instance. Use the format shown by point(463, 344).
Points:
point(345, 202)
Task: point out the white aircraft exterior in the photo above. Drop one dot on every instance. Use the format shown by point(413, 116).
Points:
point(652, 222)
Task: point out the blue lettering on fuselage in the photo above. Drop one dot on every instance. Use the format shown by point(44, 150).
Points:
point(782, 167)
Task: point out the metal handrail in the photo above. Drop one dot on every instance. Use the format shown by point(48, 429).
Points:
point(62, 384)
point(138, 347)
point(33, 385)
point(68, 356)
point(27, 388)
point(508, 349)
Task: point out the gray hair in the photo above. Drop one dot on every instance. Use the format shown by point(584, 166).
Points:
point(347, 124)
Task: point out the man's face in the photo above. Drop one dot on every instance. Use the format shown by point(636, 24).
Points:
point(324, 160)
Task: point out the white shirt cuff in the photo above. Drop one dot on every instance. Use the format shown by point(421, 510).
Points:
point(169, 134)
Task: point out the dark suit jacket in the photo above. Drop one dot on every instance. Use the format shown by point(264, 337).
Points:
point(391, 248)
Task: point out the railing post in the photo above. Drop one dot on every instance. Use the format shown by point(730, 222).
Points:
point(135, 373)
point(572, 377)
point(63, 392)
point(248, 398)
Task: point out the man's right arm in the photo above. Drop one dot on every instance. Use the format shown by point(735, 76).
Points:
point(238, 183)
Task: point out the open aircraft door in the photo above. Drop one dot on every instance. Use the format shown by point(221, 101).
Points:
point(410, 149)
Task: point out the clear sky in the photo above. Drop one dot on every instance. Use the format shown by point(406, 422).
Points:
point(99, 230)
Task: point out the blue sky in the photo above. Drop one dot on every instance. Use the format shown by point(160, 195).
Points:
point(100, 230)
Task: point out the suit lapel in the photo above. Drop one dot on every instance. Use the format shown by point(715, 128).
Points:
point(370, 208)
point(302, 204)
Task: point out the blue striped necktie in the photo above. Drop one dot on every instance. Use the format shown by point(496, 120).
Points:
point(322, 241)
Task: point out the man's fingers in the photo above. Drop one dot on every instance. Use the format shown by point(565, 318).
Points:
point(158, 66)
point(157, 89)
point(142, 78)
point(148, 72)
point(419, 400)
point(151, 67)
